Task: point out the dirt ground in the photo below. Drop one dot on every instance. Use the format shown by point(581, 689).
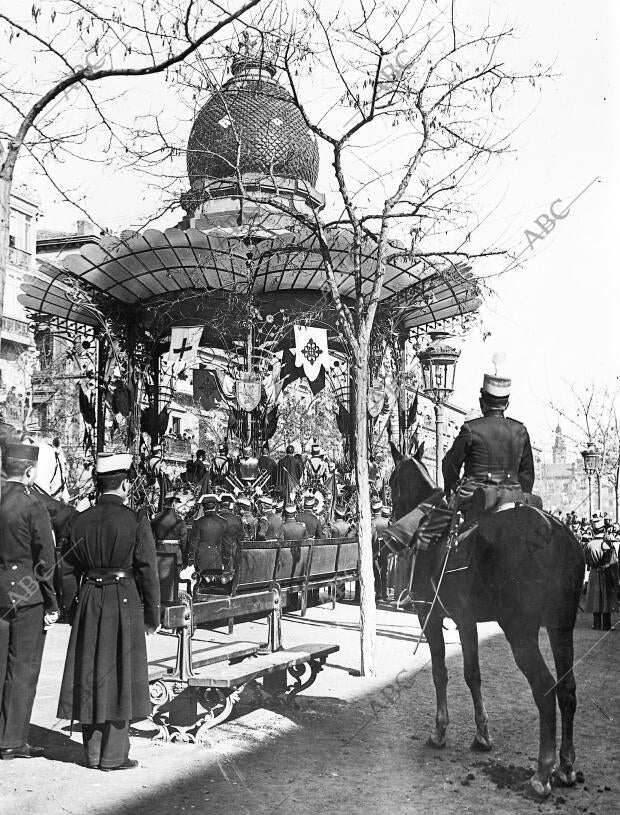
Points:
point(349, 744)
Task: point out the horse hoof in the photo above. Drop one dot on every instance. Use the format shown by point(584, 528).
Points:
point(567, 778)
point(480, 745)
point(436, 745)
point(538, 788)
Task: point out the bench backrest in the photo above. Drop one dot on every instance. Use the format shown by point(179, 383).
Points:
point(256, 565)
point(324, 557)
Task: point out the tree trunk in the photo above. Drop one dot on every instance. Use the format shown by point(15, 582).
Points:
point(5, 214)
point(368, 610)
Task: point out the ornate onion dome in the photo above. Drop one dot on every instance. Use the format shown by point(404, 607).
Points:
point(251, 121)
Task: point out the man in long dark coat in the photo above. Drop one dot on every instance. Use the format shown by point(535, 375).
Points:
point(168, 526)
point(27, 598)
point(208, 544)
point(109, 567)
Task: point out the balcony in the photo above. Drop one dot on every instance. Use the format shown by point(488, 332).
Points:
point(17, 257)
point(176, 448)
point(16, 331)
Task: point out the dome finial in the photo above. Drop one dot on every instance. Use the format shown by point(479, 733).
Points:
point(255, 52)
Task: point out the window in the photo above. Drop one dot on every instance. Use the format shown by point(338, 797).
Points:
point(176, 426)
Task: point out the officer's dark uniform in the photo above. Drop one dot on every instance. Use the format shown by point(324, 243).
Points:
point(26, 594)
point(493, 450)
point(311, 522)
point(169, 526)
point(380, 554)
point(109, 567)
point(274, 531)
point(233, 534)
point(208, 541)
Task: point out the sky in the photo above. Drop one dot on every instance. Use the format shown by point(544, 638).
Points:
point(554, 320)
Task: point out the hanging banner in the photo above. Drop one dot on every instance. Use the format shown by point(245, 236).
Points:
point(376, 398)
point(206, 389)
point(311, 350)
point(249, 390)
point(184, 342)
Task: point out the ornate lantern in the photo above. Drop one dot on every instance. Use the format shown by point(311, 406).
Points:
point(591, 459)
point(438, 362)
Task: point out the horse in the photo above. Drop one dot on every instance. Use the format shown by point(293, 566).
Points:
point(525, 571)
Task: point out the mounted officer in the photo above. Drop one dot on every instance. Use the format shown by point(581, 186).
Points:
point(492, 450)
point(220, 468)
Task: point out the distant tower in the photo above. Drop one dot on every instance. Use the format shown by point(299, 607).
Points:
point(559, 447)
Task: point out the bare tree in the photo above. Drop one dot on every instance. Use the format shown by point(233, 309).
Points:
point(70, 47)
point(401, 194)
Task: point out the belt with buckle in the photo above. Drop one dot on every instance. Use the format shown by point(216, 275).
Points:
point(106, 576)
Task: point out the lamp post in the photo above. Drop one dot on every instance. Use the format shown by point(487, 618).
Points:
point(438, 363)
point(592, 464)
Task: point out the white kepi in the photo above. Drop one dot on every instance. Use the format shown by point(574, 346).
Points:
point(108, 463)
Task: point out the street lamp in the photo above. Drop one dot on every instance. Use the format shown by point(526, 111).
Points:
point(438, 363)
point(592, 464)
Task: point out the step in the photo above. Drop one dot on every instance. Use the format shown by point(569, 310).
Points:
point(211, 656)
point(231, 676)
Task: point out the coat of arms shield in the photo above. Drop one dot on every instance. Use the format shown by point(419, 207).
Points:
point(376, 398)
point(248, 390)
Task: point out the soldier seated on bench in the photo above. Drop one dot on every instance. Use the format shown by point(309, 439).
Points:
point(170, 531)
point(210, 545)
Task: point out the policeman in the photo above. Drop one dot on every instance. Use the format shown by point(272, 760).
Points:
point(234, 527)
point(109, 568)
point(220, 468)
point(492, 449)
point(168, 526)
point(209, 547)
point(310, 519)
point(28, 603)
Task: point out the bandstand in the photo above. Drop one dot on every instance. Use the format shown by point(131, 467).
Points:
point(238, 267)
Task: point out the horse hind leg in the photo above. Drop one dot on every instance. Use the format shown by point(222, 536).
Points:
point(468, 633)
point(436, 643)
point(561, 640)
point(523, 641)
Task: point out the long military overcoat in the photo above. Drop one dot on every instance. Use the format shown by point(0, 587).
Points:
point(106, 673)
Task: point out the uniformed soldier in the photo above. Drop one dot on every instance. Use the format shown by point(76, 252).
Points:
point(492, 449)
point(293, 529)
point(310, 519)
point(265, 511)
point(209, 546)
point(315, 471)
point(234, 527)
point(168, 526)
point(341, 528)
point(250, 524)
point(220, 468)
point(200, 468)
point(28, 605)
point(380, 552)
point(276, 521)
point(109, 568)
point(266, 464)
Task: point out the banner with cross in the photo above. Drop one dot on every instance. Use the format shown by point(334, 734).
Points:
point(184, 343)
point(311, 350)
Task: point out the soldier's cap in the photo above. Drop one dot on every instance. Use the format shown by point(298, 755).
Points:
point(386, 511)
point(222, 449)
point(265, 500)
point(279, 504)
point(244, 501)
point(290, 509)
point(23, 452)
point(309, 501)
point(171, 495)
point(108, 463)
point(340, 511)
point(227, 498)
point(598, 524)
point(156, 448)
point(289, 449)
point(208, 498)
point(315, 449)
point(495, 385)
point(377, 505)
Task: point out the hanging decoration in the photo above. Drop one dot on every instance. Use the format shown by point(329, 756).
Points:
point(206, 389)
point(248, 389)
point(184, 343)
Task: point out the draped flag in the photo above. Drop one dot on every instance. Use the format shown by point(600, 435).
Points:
point(311, 351)
point(206, 389)
point(184, 342)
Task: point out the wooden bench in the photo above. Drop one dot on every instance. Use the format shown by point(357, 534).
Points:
point(195, 694)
